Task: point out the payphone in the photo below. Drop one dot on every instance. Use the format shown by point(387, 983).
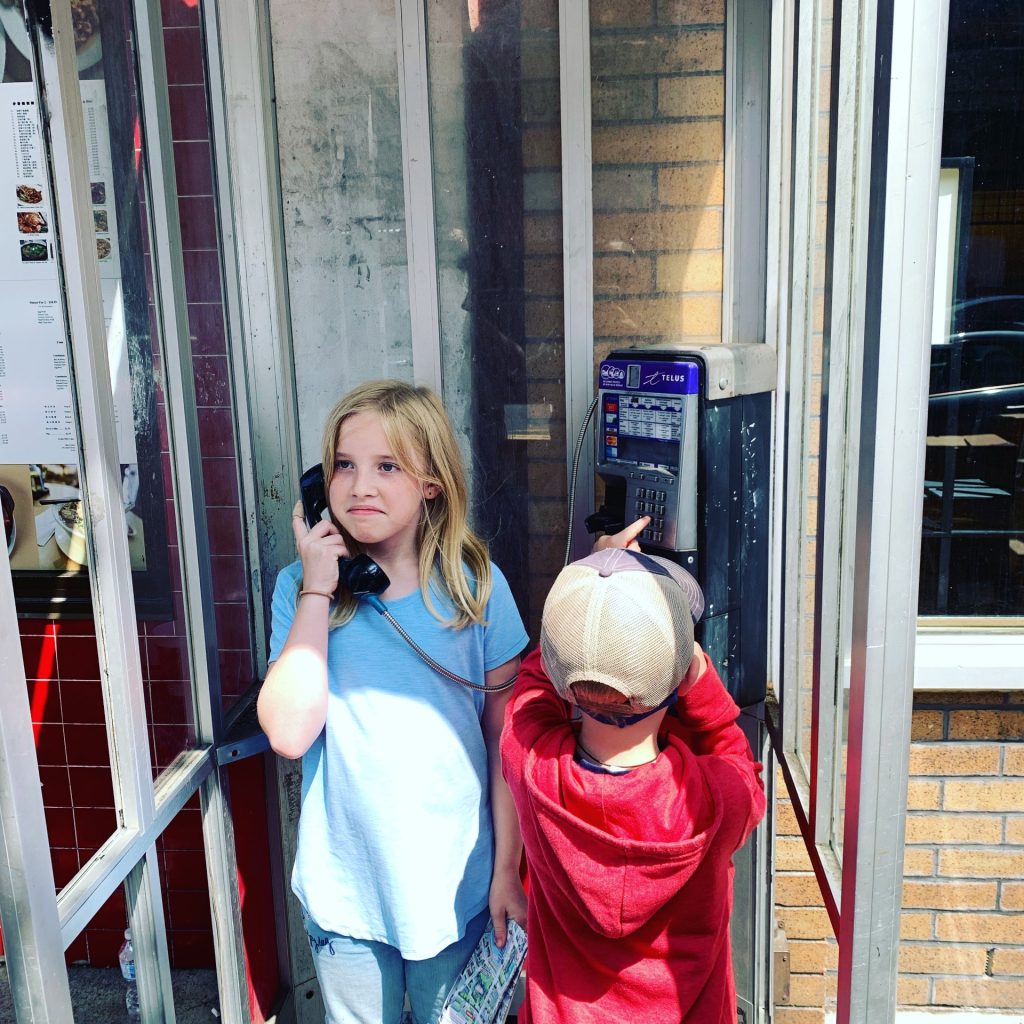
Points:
point(683, 436)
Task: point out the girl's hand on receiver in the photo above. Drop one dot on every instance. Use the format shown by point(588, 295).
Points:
point(319, 548)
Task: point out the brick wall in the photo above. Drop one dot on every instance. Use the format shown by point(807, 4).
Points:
point(962, 924)
point(658, 98)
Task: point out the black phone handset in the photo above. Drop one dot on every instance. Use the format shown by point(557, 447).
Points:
point(361, 575)
point(365, 579)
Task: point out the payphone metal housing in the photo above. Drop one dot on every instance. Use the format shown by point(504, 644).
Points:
point(683, 436)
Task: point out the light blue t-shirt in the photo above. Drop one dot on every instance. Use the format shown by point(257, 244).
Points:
point(395, 842)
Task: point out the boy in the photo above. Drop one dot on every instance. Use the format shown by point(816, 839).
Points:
point(630, 815)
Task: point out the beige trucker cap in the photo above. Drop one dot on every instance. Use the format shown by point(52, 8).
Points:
point(624, 619)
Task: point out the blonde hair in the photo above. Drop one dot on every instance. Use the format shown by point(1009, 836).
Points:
point(423, 444)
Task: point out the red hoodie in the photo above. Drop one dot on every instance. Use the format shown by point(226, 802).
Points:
point(630, 875)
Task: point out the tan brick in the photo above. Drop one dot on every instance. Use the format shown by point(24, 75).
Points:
point(913, 991)
point(797, 891)
point(693, 141)
point(691, 12)
point(791, 855)
point(700, 185)
point(924, 796)
point(1015, 831)
point(916, 863)
point(799, 923)
point(541, 102)
point(798, 1015)
point(658, 317)
point(926, 725)
point(991, 795)
point(623, 275)
point(992, 929)
point(950, 895)
point(692, 96)
point(542, 275)
point(541, 146)
point(1013, 760)
point(991, 725)
point(661, 231)
point(941, 959)
point(669, 52)
point(542, 234)
point(1012, 896)
point(540, 58)
point(990, 992)
point(1008, 961)
point(624, 188)
point(620, 13)
point(544, 318)
point(629, 99)
point(806, 990)
point(954, 759)
point(981, 863)
point(953, 828)
point(785, 820)
point(971, 698)
point(539, 14)
point(689, 272)
point(807, 957)
point(916, 925)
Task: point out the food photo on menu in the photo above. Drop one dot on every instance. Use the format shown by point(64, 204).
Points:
point(44, 520)
point(31, 222)
point(14, 44)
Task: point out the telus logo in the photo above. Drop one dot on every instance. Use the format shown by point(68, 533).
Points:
point(668, 378)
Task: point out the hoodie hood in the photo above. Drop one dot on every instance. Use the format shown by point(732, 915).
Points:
point(619, 847)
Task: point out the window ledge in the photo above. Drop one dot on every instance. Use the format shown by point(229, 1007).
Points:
point(975, 660)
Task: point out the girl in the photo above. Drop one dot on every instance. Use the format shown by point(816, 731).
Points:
point(407, 836)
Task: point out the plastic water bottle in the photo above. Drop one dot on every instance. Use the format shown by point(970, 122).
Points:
point(126, 957)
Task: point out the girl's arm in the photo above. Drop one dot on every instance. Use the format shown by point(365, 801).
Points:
point(292, 705)
point(507, 898)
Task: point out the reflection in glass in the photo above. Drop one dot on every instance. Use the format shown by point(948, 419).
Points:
point(972, 552)
point(119, 192)
point(98, 963)
point(497, 189)
point(340, 136)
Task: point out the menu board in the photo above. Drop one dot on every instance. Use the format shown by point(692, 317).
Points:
point(40, 485)
point(37, 428)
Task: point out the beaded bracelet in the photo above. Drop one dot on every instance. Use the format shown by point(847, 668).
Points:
point(319, 593)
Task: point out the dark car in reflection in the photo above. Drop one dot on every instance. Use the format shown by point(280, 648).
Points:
point(972, 552)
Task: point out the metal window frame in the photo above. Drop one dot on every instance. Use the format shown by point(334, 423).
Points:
point(144, 807)
point(418, 182)
point(903, 88)
point(888, 120)
point(745, 234)
point(577, 242)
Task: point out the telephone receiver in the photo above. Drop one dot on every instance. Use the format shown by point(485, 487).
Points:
point(361, 575)
point(365, 579)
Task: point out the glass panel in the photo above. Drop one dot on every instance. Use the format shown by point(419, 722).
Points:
point(816, 371)
point(494, 82)
point(339, 135)
point(972, 552)
point(100, 992)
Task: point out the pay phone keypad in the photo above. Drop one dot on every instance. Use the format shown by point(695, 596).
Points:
point(651, 502)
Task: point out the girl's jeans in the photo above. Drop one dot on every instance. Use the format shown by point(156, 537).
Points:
point(365, 982)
